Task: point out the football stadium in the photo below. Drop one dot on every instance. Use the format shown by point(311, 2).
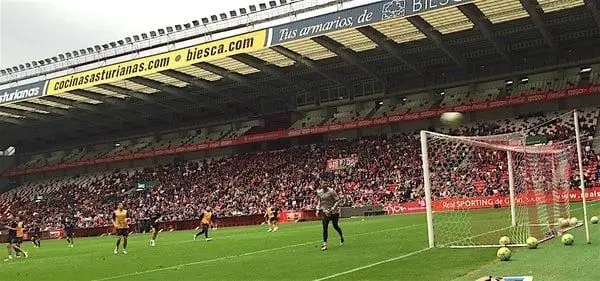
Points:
point(312, 140)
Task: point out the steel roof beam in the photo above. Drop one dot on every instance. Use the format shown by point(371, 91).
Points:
point(484, 25)
point(112, 101)
point(592, 5)
point(88, 107)
point(26, 114)
point(59, 111)
point(198, 82)
point(434, 35)
point(240, 79)
point(331, 75)
point(59, 100)
point(136, 95)
point(11, 120)
point(127, 92)
point(537, 16)
point(165, 88)
point(274, 71)
point(99, 97)
point(46, 108)
point(389, 46)
point(349, 56)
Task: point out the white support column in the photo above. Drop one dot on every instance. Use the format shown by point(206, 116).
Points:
point(427, 188)
point(581, 178)
point(511, 188)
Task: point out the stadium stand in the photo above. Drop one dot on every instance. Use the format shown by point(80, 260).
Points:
point(247, 183)
point(461, 95)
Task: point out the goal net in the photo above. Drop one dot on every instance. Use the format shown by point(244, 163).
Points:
point(479, 189)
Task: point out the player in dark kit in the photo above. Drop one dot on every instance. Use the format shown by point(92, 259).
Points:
point(36, 235)
point(205, 222)
point(154, 217)
point(329, 202)
point(69, 227)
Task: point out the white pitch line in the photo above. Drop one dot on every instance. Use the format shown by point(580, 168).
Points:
point(389, 260)
point(242, 255)
point(373, 264)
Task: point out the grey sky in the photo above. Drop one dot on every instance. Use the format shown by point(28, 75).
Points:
point(37, 29)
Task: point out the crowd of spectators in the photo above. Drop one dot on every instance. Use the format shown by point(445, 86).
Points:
point(388, 170)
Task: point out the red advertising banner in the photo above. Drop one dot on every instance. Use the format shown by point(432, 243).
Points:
point(475, 203)
point(505, 102)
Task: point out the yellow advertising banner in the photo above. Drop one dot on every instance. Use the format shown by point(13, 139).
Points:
point(248, 42)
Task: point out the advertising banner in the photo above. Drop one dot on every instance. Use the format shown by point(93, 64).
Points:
point(356, 17)
point(488, 202)
point(23, 92)
point(152, 64)
point(417, 115)
point(340, 164)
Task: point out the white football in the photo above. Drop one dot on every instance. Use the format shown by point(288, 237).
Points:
point(573, 221)
point(452, 118)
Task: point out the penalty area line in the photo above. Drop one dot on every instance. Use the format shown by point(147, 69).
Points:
point(373, 264)
point(241, 255)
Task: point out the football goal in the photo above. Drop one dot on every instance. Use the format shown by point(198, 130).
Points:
point(480, 188)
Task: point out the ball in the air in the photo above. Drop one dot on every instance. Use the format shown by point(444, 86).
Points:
point(504, 240)
point(567, 239)
point(452, 118)
point(594, 220)
point(503, 254)
point(573, 221)
point(532, 243)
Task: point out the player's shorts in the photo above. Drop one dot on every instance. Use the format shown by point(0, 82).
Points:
point(70, 234)
point(205, 225)
point(154, 227)
point(123, 232)
point(274, 219)
point(331, 216)
point(16, 240)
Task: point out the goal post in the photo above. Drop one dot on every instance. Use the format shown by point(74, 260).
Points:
point(478, 189)
point(581, 177)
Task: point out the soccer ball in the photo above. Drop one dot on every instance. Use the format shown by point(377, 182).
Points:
point(503, 254)
point(452, 118)
point(567, 239)
point(594, 220)
point(532, 243)
point(563, 222)
point(573, 221)
point(504, 240)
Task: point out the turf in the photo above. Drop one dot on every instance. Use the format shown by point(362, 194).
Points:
point(381, 248)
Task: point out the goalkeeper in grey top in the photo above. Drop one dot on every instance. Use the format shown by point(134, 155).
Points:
point(329, 203)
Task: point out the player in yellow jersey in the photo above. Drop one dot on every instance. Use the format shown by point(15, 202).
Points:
point(120, 220)
point(205, 222)
point(272, 216)
point(16, 231)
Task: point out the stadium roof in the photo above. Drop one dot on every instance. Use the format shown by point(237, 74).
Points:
point(477, 39)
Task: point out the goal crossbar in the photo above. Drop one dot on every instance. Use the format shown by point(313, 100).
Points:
point(513, 148)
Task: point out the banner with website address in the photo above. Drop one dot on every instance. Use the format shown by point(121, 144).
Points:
point(355, 17)
point(23, 92)
point(248, 42)
point(488, 202)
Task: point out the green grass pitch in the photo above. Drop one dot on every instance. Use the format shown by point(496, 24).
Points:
point(382, 248)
